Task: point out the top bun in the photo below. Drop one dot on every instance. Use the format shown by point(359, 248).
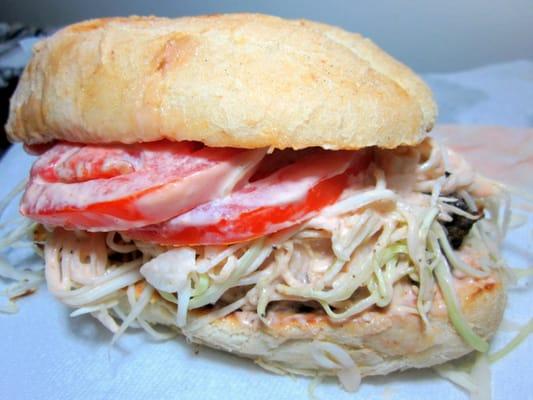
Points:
point(239, 80)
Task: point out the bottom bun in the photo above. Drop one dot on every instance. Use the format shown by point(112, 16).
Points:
point(379, 341)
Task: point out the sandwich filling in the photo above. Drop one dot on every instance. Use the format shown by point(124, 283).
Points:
point(207, 232)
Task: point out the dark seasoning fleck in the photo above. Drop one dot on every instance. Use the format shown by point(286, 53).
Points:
point(460, 226)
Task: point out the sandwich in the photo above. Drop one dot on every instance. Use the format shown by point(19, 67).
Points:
point(262, 186)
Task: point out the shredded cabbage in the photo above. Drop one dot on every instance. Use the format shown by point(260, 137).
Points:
point(356, 308)
point(90, 309)
point(168, 296)
point(263, 287)
point(136, 309)
point(331, 356)
point(16, 234)
point(357, 201)
point(453, 374)
point(312, 387)
point(214, 315)
point(452, 258)
point(184, 296)
point(473, 375)
point(201, 284)
point(8, 271)
point(343, 246)
point(481, 376)
point(444, 279)
point(23, 280)
point(253, 256)
point(524, 332)
point(92, 294)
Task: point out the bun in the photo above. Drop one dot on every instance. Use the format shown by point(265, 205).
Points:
point(379, 341)
point(238, 80)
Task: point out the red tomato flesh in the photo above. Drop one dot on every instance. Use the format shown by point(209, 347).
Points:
point(117, 187)
point(288, 197)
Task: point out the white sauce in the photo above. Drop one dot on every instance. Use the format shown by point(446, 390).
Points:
point(170, 270)
point(174, 195)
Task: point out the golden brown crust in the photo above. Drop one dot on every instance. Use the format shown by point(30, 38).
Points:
point(228, 80)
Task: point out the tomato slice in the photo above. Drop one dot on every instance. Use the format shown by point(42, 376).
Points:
point(291, 195)
point(118, 187)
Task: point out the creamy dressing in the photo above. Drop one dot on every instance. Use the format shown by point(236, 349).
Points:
point(217, 210)
point(196, 189)
point(170, 270)
point(249, 319)
point(399, 167)
point(404, 299)
point(161, 186)
point(291, 185)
